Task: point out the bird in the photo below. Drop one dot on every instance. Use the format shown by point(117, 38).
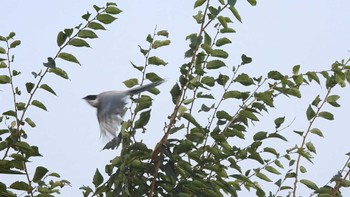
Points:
point(111, 108)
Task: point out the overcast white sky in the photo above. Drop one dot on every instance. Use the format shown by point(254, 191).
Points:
point(276, 34)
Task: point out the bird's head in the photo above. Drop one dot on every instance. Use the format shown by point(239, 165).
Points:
point(92, 100)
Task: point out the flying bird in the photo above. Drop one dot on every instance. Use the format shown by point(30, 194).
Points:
point(111, 108)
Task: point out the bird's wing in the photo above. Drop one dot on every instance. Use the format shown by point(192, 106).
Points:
point(110, 115)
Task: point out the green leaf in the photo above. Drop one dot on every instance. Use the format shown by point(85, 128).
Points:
point(272, 170)
point(219, 53)
point(68, 57)
point(175, 93)
point(3, 65)
point(244, 79)
point(326, 115)
point(310, 146)
point(260, 136)
point(98, 178)
point(275, 75)
point(59, 72)
point(153, 77)
point(223, 115)
point(77, 42)
point(48, 88)
point(236, 94)
point(199, 3)
point(86, 16)
point(10, 113)
point(96, 26)
point(156, 61)
point(131, 82)
point(191, 119)
point(144, 118)
point(215, 64)
point(61, 38)
point(39, 174)
point(332, 100)
point(50, 63)
point(222, 41)
point(20, 185)
point(227, 30)
point(113, 10)
point(293, 92)
point(279, 121)
point(310, 113)
point(29, 87)
point(105, 18)
point(207, 39)
point(30, 122)
point(271, 150)
point(15, 43)
point(316, 101)
point(2, 50)
point(222, 79)
point(222, 21)
point(276, 135)
point(4, 79)
point(164, 33)
point(39, 104)
point(20, 106)
point(313, 76)
point(296, 69)
point(68, 31)
point(252, 2)
point(158, 43)
point(309, 184)
point(263, 177)
point(209, 81)
point(85, 33)
point(317, 132)
point(235, 13)
point(246, 59)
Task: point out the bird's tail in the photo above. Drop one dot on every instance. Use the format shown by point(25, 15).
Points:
point(145, 87)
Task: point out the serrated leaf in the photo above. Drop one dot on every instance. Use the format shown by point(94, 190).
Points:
point(113, 10)
point(59, 72)
point(105, 18)
point(309, 184)
point(77, 42)
point(68, 57)
point(131, 82)
point(143, 120)
point(215, 64)
point(96, 26)
point(61, 38)
point(222, 41)
point(156, 61)
point(4, 79)
point(275, 75)
point(15, 43)
point(209, 81)
point(263, 177)
point(29, 87)
point(48, 88)
point(326, 115)
point(39, 104)
point(272, 170)
point(40, 172)
point(310, 113)
point(85, 33)
point(317, 132)
point(30, 122)
point(98, 178)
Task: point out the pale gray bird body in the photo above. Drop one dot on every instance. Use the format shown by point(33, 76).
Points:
point(111, 107)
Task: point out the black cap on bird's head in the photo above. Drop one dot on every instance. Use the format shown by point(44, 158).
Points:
point(92, 100)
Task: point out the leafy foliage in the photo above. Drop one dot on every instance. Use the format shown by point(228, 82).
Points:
point(16, 151)
point(215, 106)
